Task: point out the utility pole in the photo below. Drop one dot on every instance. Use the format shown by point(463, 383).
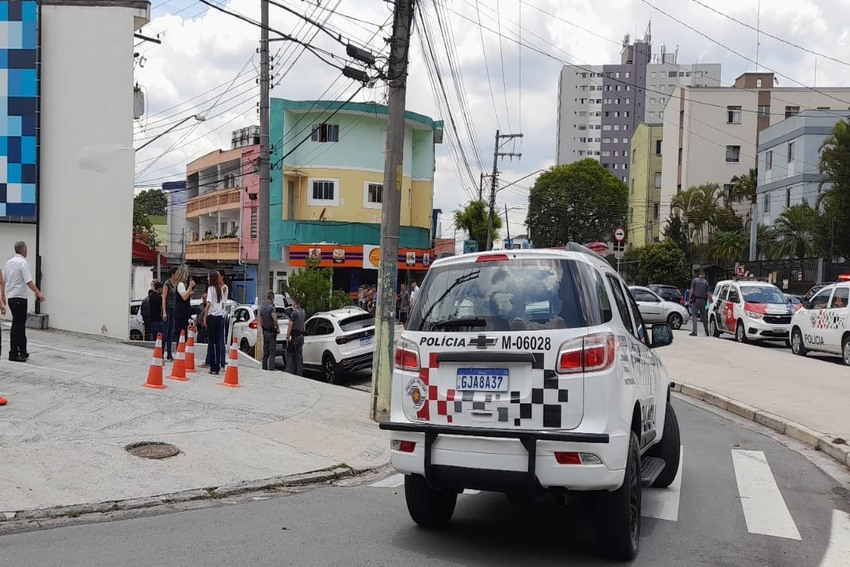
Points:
point(494, 179)
point(481, 187)
point(507, 224)
point(391, 211)
point(263, 197)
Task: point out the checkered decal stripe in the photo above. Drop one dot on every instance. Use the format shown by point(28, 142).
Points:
point(543, 410)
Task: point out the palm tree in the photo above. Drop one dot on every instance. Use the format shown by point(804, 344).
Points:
point(794, 232)
point(765, 242)
point(728, 247)
point(744, 187)
point(698, 206)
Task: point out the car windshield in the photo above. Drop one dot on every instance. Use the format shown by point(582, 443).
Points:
point(356, 322)
point(499, 296)
point(763, 294)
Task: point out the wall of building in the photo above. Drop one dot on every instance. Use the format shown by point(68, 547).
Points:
point(87, 163)
point(644, 196)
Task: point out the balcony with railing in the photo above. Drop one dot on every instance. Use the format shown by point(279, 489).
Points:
point(216, 249)
point(214, 201)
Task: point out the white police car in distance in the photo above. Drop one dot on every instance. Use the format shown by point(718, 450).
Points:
point(824, 323)
point(531, 372)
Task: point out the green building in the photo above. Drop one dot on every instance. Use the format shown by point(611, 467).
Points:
point(645, 185)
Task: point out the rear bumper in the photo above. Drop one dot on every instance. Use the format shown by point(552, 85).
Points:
point(357, 362)
point(508, 460)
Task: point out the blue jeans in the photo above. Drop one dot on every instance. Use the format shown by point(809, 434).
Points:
point(168, 333)
point(215, 342)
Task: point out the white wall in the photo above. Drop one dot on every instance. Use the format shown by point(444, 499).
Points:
point(9, 234)
point(87, 165)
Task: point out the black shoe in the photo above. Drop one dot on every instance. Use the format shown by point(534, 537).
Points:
point(17, 359)
point(25, 356)
point(692, 334)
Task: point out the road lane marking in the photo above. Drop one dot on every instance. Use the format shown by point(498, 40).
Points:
point(663, 503)
point(393, 481)
point(839, 541)
point(764, 508)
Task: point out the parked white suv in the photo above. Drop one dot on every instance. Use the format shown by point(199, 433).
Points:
point(529, 372)
point(339, 342)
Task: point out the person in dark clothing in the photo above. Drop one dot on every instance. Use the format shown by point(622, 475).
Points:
point(699, 294)
point(145, 310)
point(169, 301)
point(155, 303)
point(295, 340)
point(268, 317)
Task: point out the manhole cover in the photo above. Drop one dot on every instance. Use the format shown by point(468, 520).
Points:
point(152, 450)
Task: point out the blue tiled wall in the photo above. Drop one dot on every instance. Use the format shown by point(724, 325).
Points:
point(18, 106)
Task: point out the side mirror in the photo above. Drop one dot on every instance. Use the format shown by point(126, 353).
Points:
point(662, 335)
point(805, 303)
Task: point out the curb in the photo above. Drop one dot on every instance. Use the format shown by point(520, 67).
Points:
point(209, 493)
point(814, 439)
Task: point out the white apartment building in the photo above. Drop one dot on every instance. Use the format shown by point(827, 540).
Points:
point(711, 133)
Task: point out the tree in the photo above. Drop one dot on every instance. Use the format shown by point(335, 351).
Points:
point(744, 187)
point(728, 247)
point(311, 287)
point(473, 219)
point(580, 202)
point(794, 232)
point(835, 200)
point(664, 262)
point(676, 231)
point(147, 204)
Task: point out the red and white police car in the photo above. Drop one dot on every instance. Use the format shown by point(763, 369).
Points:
point(750, 310)
point(824, 323)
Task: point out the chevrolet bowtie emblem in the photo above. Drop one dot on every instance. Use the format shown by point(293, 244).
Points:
point(482, 341)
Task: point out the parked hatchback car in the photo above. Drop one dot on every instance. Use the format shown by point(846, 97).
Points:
point(823, 324)
point(339, 342)
point(137, 325)
point(656, 309)
point(243, 328)
point(750, 310)
point(668, 293)
point(547, 385)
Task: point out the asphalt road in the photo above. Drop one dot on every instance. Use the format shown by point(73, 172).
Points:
point(743, 498)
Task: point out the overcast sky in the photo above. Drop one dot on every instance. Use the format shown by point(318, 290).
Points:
point(207, 64)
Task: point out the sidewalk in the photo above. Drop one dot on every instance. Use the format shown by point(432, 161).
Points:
point(805, 398)
point(79, 401)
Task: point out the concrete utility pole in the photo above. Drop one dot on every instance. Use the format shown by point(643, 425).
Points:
point(507, 224)
point(263, 197)
point(391, 212)
point(494, 179)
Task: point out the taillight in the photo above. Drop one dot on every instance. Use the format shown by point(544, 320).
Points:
point(587, 354)
point(403, 446)
point(253, 324)
point(406, 355)
point(342, 339)
point(492, 258)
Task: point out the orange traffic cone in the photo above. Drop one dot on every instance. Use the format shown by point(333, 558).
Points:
point(155, 372)
point(3, 401)
point(178, 372)
point(190, 350)
point(231, 375)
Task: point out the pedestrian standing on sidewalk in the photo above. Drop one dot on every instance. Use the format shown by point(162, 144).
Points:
point(3, 401)
point(295, 340)
point(214, 322)
point(182, 300)
point(225, 295)
point(698, 296)
point(18, 278)
point(414, 291)
point(156, 310)
point(169, 303)
point(268, 317)
point(403, 304)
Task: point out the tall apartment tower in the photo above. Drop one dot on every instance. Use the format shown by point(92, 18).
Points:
point(599, 106)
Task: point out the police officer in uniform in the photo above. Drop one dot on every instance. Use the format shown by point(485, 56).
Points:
point(268, 316)
point(295, 340)
point(698, 295)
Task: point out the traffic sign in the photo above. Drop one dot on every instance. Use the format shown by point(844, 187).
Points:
point(619, 234)
point(740, 270)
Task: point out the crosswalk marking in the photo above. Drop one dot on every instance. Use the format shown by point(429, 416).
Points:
point(764, 508)
point(839, 541)
point(663, 503)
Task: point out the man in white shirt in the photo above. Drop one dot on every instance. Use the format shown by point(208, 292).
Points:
point(18, 278)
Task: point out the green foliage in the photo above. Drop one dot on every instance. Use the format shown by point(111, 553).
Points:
point(727, 220)
point(665, 263)
point(580, 202)
point(728, 247)
point(676, 231)
point(835, 166)
point(744, 187)
point(473, 218)
point(698, 207)
point(149, 203)
point(794, 233)
point(311, 287)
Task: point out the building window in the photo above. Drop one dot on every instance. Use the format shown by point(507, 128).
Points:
point(671, 74)
point(787, 198)
point(606, 127)
point(766, 208)
point(656, 210)
point(791, 111)
point(790, 152)
point(653, 74)
point(323, 192)
point(733, 154)
point(325, 133)
point(582, 126)
point(657, 181)
point(758, 83)
point(733, 114)
point(625, 141)
point(768, 160)
point(606, 140)
point(652, 114)
point(628, 74)
point(680, 156)
point(727, 189)
point(764, 111)
point(658, 147)
point(254, 223)
point(373, 195)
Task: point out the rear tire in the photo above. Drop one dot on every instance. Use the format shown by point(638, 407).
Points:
point(428, 507)
point(244, 346)
point(668, 449)
point(136, 335)
point(616, 515)
point(845, 350)
point(741, 333)
point(675, 321)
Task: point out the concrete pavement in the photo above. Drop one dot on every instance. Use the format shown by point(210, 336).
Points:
point(79, 401)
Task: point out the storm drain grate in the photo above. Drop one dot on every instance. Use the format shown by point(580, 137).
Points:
point(152, 450)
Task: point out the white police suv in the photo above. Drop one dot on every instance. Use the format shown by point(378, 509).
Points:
point(531, 372)
point(823, 324)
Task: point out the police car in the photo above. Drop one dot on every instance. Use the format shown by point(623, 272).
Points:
point(531, 372)
point(822, 325)
point(751, 310)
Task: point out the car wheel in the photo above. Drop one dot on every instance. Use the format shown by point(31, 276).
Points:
point(244, 346)
point(712, 327)
point(135, 335)
point(675, 321)
point(329, 370)
point(616, 515)
point(845, 350)
point(740, 332)
point(428, 507)
point(668, 449)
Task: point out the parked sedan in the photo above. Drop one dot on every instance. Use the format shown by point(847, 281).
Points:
point(244, 328)
point(339, 342)
point(655, 309)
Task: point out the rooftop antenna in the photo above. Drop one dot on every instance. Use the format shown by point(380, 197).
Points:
point(758, 33)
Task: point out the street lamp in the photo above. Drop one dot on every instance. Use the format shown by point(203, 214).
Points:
point(197, 117)
point(520, 179)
